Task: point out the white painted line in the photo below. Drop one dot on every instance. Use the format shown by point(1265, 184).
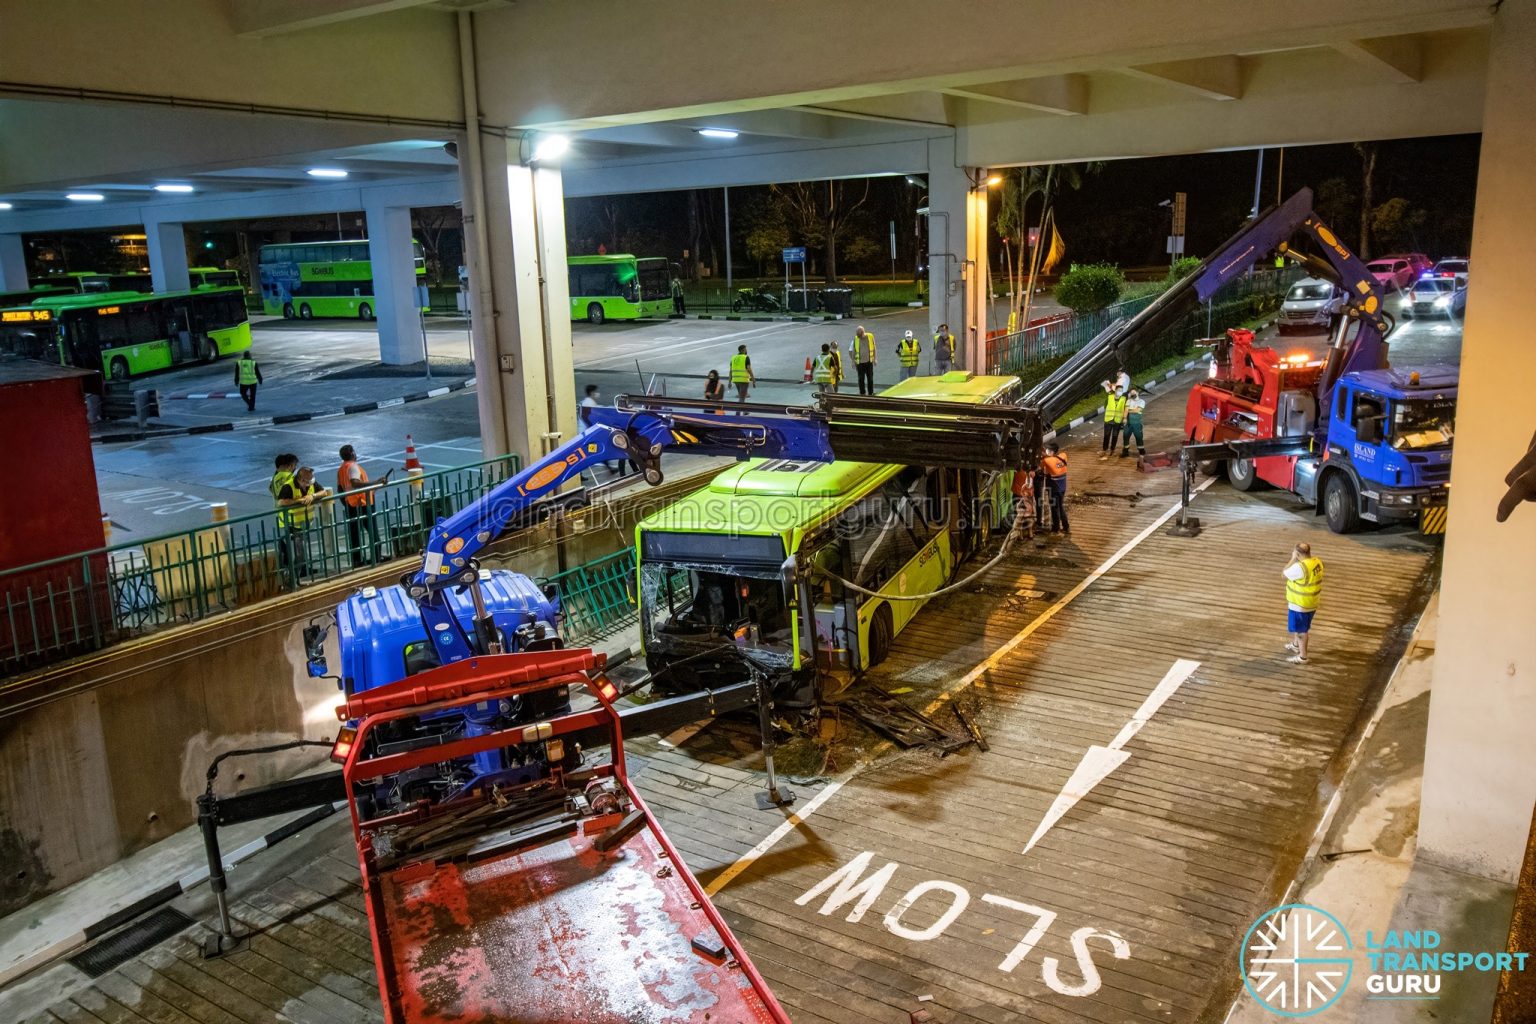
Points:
point(389, 403)
point(745, 861)
point(434, 392)
point(1099, 762)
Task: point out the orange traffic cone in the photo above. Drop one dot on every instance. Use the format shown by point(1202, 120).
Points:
point(807, 378)
point(411, 461)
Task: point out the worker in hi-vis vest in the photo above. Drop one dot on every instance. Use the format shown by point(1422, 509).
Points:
point(908, 351)
point(741, 373)
point(1114, 419)
point(1303, 585)
point(862, 349)
point(824, 370)
point(247, 376)
point(943, 349)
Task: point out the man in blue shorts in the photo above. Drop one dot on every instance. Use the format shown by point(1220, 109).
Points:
point(1303, 584)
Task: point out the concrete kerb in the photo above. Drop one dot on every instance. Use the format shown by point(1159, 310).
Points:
point(269, 421)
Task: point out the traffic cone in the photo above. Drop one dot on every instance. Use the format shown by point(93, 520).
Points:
point(411, 461)
point(807, 378)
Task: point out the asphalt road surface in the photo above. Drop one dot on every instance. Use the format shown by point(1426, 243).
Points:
point(168, 484)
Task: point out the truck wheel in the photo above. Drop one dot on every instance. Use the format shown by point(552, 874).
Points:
point(1243, 474)
point(1340, 504)
point(882, 630)
point(595, 313)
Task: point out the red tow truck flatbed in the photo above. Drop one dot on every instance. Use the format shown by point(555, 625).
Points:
point(547, 895)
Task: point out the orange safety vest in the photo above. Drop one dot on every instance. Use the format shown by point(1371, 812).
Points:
point(1055, 465)
point(345, 484)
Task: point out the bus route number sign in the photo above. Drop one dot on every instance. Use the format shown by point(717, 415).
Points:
point(25, 315)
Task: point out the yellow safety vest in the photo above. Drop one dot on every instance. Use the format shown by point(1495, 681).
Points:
point(944, 343)
point(1114, 409)
point(739, 372)
point(245, 371)
point(1303, 592)
point(908, 350)
point(865, 354)
point(821, 371)
point(298, 515)
point(282, 478)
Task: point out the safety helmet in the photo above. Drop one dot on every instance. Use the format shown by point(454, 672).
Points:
point(908, 335)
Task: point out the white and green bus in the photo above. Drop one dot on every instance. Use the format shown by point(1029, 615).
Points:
point(619, 287)
point(713, 590)
point(327, 279)
point(124, 334)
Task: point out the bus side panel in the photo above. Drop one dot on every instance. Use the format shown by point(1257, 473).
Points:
point(146, 358)
point(232, 339)
point(927, 571)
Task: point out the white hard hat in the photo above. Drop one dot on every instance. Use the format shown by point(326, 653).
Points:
point(908, 334)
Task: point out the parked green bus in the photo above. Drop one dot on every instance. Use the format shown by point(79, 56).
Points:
point(329, 279)
point(37, 291)
point(124, 334)
point(619, 287)
point(89, 282)
point(754, 564)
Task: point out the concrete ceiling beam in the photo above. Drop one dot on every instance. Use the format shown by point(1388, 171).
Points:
point(1054, 94)
point(274, 17)
point(1214, 78)
point(1396, 58)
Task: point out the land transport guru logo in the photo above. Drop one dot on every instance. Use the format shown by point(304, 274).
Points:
point(1297, 959)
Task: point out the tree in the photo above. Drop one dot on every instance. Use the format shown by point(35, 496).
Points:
point(1367, 151)
point(1088, 288)
point(435, 226)
point(1335, 201)
point(1395, 223)
point(822, 213)
point(1021, 185)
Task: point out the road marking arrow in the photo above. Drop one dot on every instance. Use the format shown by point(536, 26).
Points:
point(1099, 762)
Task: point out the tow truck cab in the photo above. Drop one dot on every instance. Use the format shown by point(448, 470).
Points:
point(1388, 445)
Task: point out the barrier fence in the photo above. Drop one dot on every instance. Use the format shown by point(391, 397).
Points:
point(79, 603)
point(1041, 344)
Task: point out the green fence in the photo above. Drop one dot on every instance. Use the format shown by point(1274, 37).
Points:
point(68, 606)
point(1043, 343)
point(596, 598)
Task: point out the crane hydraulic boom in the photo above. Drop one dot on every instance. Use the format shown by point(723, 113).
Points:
point(1271, 231)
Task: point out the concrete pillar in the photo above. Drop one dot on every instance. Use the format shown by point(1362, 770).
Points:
point(13, 264)
point(523, 355)
point(398, 307)
point(978, 284)
point(1480, 761)
point(167, 257)
point(946, 239)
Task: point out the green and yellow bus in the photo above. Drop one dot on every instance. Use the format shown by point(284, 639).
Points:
point(329, 279)
point(619, 287)
point(89, 282)
point(124, 334)
point(755, 566)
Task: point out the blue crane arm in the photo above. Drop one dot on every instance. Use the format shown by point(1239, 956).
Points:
point(1271, 231)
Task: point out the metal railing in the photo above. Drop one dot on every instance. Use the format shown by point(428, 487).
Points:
point(1041, 343)
point(596, 598)
point(78, 603)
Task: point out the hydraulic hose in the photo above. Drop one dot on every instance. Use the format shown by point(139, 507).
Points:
point(1008, 542)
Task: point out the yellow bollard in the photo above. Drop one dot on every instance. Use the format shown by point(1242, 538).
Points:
point(414, 477)
point(106, 530)
point(219, 511)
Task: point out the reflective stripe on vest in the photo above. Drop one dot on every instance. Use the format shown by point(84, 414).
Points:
point(246, 371)
point(345, 484)
point(908, 350)
point(866, 354)
point(298, 515)
point(1303, 592)
point(821, 371)
point(1114, 409)
point(282, 478)
point(739, 372)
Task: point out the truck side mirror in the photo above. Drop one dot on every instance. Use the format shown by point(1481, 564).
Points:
point(314, 651)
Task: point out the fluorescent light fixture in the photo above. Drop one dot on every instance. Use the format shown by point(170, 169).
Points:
point(4, 205)
point(550, 147)
point(717, 133)
point(326, 172)
point(85, 197)
point(174, 188)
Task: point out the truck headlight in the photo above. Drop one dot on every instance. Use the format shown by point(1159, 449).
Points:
point(1442, 302)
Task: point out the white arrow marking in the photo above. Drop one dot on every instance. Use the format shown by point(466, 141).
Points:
point(1099, 762)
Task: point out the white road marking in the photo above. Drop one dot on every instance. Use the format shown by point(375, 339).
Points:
point(794, 820)
point(1099, 762)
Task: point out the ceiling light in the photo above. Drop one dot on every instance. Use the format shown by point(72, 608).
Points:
point(717, 133)
point(995, 180)
point(326, 172)
point(174, 188)
point(4, 205)
point(86, 197)
point(550, 147)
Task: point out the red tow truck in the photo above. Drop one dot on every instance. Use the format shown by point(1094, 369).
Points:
point(542, 892)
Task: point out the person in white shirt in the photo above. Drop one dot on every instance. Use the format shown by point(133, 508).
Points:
point(1303, 585)
point(592, 400)
point(1135, 405)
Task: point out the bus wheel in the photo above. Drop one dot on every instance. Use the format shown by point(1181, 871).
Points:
point(1243, 474)
point(305, 313)
point(595, 313)
point(365, 312)
point(119, 368)
point(1340, 505)
point(287, 311)
point(210, 351)
point(881, 631)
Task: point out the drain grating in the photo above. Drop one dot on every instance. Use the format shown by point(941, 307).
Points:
point(123, 946)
